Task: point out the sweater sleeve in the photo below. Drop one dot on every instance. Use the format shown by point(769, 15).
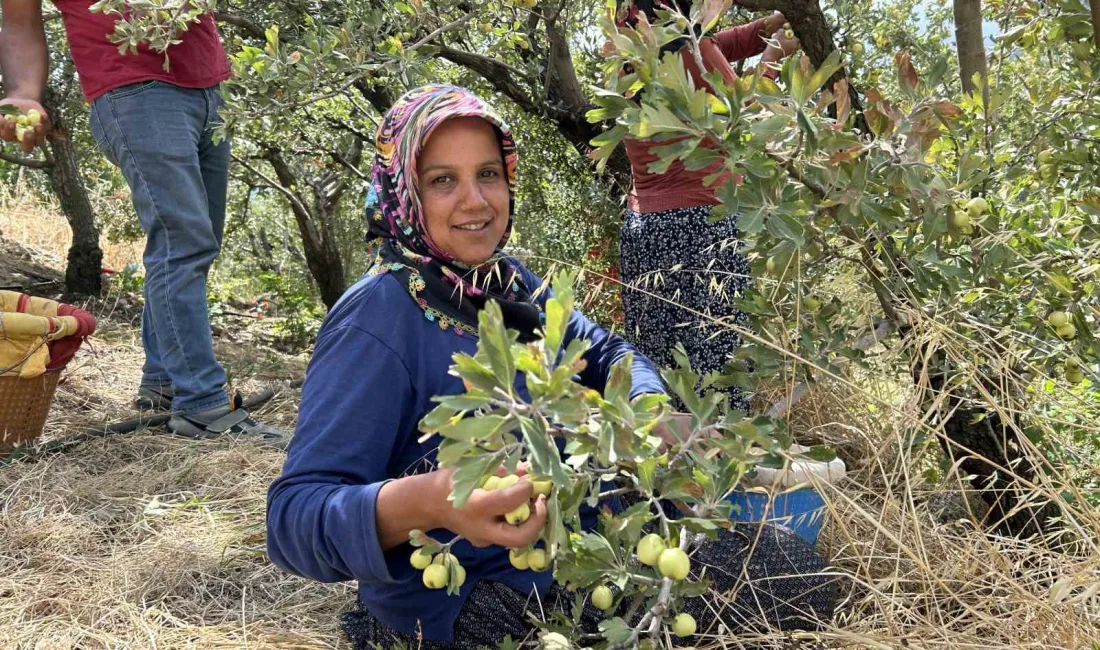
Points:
point(742, 41)
point(605, 351)
point(357, 402)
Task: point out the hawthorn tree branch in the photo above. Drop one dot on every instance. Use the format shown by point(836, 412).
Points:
point(25, 161)
point(246, 25)
point(503, 77)
point(435, 34)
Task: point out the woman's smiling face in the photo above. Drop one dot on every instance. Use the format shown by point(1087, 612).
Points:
point(464, 189)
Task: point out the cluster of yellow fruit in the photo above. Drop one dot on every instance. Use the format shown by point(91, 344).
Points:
point(974, 209)
point(1060, 321)
point(787, 31)
point(25, 122)
point(436, 570)
point(534, 559)
point(671, 563)
point(1048, 168)
point(540, 487)
point(1074, 374)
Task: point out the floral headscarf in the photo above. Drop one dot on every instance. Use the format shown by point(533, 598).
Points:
point(449, 292)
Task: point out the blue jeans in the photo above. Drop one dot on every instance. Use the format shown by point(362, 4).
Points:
point(159, 135)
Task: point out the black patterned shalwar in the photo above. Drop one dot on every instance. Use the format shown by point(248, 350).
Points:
point(680, 275)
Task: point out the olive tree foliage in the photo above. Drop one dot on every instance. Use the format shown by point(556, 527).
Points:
point(972, 224)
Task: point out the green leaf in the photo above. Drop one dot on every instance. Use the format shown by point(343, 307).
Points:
point(787, 227)
point(437, 418)
point(469, 401)
point(820, 453)
point(828, 67)
point(494, 342)
point(468, 475)
point(482, 426)
point(615, 630)
point(647, 472)
point(476, 373)
point(809, 130)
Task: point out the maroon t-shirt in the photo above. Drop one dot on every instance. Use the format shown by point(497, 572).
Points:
point(197, 62)
point(678, 187)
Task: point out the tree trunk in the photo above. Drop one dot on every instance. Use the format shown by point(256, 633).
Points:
point(83, 275)
point(971, 47)
point(317, 232)
point(1012, 510)
point(1094, 7)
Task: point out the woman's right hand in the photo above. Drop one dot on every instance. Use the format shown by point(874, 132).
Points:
point(481, 520)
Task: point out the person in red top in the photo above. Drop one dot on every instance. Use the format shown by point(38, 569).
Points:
point(680, 272)
point(157, 126)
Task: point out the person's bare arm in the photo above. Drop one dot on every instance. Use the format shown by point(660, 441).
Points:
point(24, 60)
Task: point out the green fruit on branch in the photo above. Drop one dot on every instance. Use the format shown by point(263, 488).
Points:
point(674, 563)
point(683, 625)
point(519, 515)
point(1067, 331)
point(1074, 375)
point(977, 206)
point(555, 641)
point(484, 28)
point(518, 558)
point(770, 265)
point(542, 487)
point(460, 575)
point(421, 559)
point(1046, 156)
point(537, 559)
point(602, 598)
point(1058, 318)
point(650, 548)
point(961, 220)
point(857, 48)
point(811, 303)
point(435, 576)
point(438, 560)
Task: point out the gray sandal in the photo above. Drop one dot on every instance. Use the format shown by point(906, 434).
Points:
point(226, 421)
point(155, 398)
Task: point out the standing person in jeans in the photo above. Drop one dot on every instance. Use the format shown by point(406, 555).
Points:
point(680, 271)
point(157, 127)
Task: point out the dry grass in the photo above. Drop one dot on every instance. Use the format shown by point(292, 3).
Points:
point(151, 541)
point(34, 222)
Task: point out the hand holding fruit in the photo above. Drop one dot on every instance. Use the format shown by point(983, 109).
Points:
point(787, 40)
point(482, 520)
point(23, 121)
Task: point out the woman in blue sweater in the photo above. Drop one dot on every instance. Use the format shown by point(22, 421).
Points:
point(357, 480)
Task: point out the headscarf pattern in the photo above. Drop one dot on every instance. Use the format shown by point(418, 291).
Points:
point(449, 292)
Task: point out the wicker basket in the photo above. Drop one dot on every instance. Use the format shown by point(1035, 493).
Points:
point(24, 404)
